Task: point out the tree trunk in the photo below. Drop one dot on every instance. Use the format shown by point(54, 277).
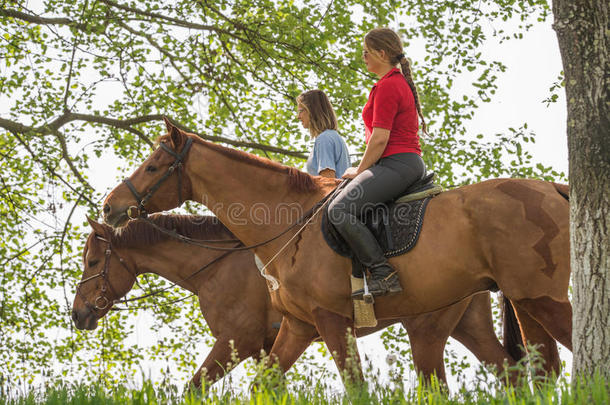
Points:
point(582, 31)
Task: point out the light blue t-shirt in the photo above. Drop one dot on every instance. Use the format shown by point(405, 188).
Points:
point(329, 152)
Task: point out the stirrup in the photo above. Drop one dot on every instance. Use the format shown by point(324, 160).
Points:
point(367, 296)
point(364, 294)
point(384, 288)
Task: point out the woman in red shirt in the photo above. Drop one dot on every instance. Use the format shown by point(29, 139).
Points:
point(392, 159)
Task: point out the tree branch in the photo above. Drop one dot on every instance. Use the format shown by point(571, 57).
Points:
point(237, 24)
point(175, 21)
point(66, 157)
point(37, 19)
point(164, 51)
point(252, 145)
point(25, 250)
point(126, 124)
point(122, 124)
point(50, 169)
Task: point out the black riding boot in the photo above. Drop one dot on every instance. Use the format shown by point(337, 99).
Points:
point(383, 280)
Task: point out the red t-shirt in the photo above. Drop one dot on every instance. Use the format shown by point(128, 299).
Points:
point(391, 106)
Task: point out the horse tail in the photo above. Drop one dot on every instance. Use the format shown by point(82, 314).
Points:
point(563, 190)
point(513, 341)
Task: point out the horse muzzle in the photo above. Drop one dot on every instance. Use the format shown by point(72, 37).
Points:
point(119, 217)
point(84, 319)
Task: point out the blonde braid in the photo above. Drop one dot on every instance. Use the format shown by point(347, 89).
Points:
point(405, 67)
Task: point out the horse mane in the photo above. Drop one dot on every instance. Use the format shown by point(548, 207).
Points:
point(138, 233)
point(297, 180)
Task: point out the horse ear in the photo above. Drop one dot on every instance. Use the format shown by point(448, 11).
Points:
point(96, 226)
point(168, 124)
point(177, 137)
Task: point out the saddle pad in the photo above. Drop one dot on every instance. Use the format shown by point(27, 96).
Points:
point(395, 225)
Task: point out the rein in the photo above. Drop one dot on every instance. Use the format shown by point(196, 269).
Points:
point(102, 302)
point(159, 291)
point(307, 217)
point(318, 207)
point(199, 242)
point(140, 213)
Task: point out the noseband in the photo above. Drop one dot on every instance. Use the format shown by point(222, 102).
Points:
point(102, 302)
point(139, 211)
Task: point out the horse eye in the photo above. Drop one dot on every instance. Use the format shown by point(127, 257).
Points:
point(93, 262)
point(151, 169)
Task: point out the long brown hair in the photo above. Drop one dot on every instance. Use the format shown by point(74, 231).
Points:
point(385, 39)
point(321, 113)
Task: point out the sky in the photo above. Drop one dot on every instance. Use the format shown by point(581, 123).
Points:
point(534, 63)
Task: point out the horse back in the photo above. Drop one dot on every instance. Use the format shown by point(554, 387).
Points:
point(519, 226)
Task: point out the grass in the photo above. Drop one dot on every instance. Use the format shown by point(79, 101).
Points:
point(313, 387)
point(588, 391)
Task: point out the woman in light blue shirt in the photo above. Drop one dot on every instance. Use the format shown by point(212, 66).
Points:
point(329, 156)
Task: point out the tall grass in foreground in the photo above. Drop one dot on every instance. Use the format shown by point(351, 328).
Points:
point(589, 391)
point(314, 386)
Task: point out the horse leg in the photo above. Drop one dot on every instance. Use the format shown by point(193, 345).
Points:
point(428, 336)
point(476, 332)
point(215, 365)
point(292, 340)
point(534, 334)
point(266, 350)
point(554, 316)
point(339, 334)
point(427, 354)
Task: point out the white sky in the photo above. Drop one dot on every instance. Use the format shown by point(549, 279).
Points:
point(534, 64)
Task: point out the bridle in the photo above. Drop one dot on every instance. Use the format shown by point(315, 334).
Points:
point(134, 212)
point(102, 302)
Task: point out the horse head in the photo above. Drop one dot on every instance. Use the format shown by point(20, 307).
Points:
point(106, 278)
point(161, 174)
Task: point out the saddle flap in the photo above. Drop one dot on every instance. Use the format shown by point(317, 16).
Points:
point(395, 225)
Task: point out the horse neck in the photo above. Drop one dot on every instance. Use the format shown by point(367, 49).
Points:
point(254, 202)
point(174, 261)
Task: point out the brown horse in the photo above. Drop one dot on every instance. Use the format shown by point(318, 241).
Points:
point(506, 233)
point(234, 300)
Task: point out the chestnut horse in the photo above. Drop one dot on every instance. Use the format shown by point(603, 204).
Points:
point(234, 300)
point(506, 233)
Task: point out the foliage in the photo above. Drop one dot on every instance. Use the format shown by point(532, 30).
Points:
point(84, 84)
point(583, 391)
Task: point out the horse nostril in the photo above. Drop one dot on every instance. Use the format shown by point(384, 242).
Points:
point(74, 315)
point(106, 209)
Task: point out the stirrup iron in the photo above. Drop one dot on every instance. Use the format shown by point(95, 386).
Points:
point(367, 296)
